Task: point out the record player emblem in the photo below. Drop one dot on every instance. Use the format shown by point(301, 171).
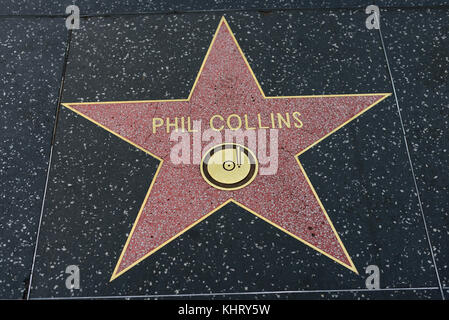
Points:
point(229, 166)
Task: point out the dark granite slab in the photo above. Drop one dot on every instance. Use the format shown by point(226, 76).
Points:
point(361, 173)
point(31, 61)
point(417, 43)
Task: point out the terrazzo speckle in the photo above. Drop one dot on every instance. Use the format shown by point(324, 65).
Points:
point(132, 6)
point(31, 59)
point(361, 172)
point(96, 185)
point(418, 47)
point(123, 58)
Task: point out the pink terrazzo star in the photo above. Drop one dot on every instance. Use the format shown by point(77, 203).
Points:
point(179, 197)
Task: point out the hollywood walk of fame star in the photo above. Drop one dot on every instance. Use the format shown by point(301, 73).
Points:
point(179, 196)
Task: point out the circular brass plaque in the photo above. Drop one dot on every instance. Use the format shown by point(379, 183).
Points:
point(229, 166)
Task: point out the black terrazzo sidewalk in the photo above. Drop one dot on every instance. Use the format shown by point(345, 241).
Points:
point(386, 213)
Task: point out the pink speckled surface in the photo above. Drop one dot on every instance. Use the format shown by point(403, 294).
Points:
point(180, 196)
